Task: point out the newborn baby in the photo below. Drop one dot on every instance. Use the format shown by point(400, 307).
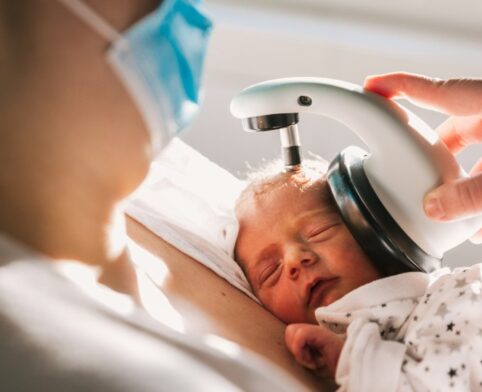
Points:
point(410, 331)
point(293, 246)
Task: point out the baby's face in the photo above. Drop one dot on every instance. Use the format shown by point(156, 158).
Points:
point(296, 251)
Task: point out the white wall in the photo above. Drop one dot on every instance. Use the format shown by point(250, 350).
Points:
point(256, 41)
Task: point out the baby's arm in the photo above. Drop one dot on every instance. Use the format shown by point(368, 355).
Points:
point(314, 346)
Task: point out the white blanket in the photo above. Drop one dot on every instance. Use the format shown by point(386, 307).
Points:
point(189, 202)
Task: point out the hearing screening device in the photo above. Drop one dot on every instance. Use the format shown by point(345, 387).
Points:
point(378, 193)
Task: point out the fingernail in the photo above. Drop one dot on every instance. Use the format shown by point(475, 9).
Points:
point(433, 207)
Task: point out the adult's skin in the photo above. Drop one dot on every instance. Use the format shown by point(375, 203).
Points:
point(72, 148)
point(461, 99)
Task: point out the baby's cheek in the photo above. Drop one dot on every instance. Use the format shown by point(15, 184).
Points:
point(362, 272)
point(286, 306)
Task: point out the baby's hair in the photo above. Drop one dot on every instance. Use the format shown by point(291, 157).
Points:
point(271, 175)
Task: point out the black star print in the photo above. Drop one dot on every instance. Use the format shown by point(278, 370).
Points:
point(457, 332)
point(415, 318)
point(450, 327)
point(427, 297)
point(392, 330)
point(383, 305)
point(348, 315)
point(461, 293)
point(452, 373)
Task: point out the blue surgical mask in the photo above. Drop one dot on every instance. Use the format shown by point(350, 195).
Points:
point(160, 61)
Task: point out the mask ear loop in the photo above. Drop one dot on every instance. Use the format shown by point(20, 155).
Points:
point(91, 18)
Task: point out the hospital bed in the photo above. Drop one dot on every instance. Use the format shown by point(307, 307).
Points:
point(204, 295)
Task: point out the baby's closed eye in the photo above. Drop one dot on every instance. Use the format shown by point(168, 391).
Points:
point(321, 232)
point(270, 274)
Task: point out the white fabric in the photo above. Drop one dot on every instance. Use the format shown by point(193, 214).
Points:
point(189, 201)
point(55, 338)
point(411, 332)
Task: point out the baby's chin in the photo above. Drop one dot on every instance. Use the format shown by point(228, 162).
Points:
point(331, 294)
point(328, 300)
point(332, 297)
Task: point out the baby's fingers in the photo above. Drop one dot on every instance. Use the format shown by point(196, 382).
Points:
point(306, 343)
point(297, 342)
point(307, 356)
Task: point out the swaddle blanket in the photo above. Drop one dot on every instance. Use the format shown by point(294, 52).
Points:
point(411, 332)
point(188, 201)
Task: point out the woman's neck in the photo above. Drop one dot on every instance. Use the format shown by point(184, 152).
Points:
point(82, 226)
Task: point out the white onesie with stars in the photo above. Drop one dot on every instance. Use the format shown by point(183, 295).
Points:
point(411, 332)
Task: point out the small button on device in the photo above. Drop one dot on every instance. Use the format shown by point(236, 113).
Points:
point(304, 100)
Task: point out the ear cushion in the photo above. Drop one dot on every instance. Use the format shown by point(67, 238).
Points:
point(390, 249)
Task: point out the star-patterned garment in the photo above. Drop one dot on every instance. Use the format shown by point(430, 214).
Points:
point(411, 332)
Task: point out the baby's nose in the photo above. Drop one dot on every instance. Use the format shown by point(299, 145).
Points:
point(297, 259)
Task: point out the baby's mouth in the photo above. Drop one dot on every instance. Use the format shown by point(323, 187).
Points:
point(317, 290)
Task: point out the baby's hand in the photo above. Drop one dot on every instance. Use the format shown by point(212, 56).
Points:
point(314, 346)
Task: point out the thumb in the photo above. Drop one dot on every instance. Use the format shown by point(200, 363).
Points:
point(477, 238)
point(456, 199)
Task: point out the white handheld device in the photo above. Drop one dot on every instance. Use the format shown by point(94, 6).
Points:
point(379, 193)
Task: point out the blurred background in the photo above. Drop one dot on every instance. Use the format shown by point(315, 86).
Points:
point(259, 40)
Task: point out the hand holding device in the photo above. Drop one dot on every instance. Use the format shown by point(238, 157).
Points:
point(462, 100)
